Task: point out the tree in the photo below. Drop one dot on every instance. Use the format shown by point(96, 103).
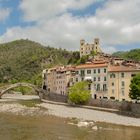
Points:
point(83, 60)
point(75, 56)
point(79, 93)
point(135, 88)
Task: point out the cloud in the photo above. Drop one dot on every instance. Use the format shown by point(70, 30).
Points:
point(115, 23)
point(4, 13)
point(40, 9)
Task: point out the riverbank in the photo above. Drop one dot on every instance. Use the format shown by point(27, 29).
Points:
point(88, 114)
point(64, 111)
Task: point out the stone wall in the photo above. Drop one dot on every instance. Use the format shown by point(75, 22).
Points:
point(55, 97)
point(105, 103)
point(124, 107)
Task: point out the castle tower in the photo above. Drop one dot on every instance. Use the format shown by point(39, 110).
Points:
point(82, 42)
point(82, 48)
point(97, 45)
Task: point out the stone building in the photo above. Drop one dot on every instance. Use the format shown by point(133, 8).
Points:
point(86, 49)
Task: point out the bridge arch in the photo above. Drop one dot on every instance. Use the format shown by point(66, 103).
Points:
point(9, 87)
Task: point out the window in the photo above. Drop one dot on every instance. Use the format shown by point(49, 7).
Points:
point(77, 72)
point(94, 70)
point(89, 87)
point(104, 87)
point(123, 84)
point(112, 83)
point(104, 70)
point(71, 79)
point(94, 78)
point(122, 75)
point(113, 91)
point(104, 78)
point(82, 72)
point(112, 75)
point(98, 78)
point(88, 71)
point(76, 79)
point(98, 70)
point(122, 92)
point(44, 76)
point(98, 87)
point(82, 79)
point(133, 75)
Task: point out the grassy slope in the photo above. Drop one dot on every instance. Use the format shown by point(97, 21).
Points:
point(132, 54)
point(24, 60)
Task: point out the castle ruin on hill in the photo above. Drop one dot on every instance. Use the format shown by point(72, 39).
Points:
point(87, 49)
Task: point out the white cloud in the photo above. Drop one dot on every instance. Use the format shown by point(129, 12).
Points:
point(4, 13)
point(109, 49)
point(35, 10)
point(116, 23)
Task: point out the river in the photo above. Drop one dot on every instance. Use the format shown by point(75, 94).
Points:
point(40, 126)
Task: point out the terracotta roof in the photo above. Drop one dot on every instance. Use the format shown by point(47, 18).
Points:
point(84, 66)
point(122, 69)
point(70, 68)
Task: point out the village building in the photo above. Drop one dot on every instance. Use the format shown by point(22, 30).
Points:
point(57, 80)
point(119, 79)
point(96, 74)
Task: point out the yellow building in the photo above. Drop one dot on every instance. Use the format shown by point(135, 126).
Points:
point(119, 79)
point(96, 73)
point(86, 49)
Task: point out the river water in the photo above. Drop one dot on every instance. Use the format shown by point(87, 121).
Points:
point(47, 127)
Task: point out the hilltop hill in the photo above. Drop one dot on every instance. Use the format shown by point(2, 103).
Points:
point(24, 60)
point(132, 54)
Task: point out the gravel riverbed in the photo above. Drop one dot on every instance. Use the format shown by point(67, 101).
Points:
point(89, 114)
point(65, 112)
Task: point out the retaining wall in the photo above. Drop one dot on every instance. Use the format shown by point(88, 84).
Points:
point(55, 97)
point(129, 107)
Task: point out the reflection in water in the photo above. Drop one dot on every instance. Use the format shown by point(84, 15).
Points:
point(13, 127)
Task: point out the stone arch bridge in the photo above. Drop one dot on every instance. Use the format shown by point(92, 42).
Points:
point(3, 90)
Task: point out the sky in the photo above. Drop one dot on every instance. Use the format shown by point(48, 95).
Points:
point(62, 23)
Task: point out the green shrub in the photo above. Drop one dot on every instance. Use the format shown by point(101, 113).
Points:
point(79, 93)
point(135, 88)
